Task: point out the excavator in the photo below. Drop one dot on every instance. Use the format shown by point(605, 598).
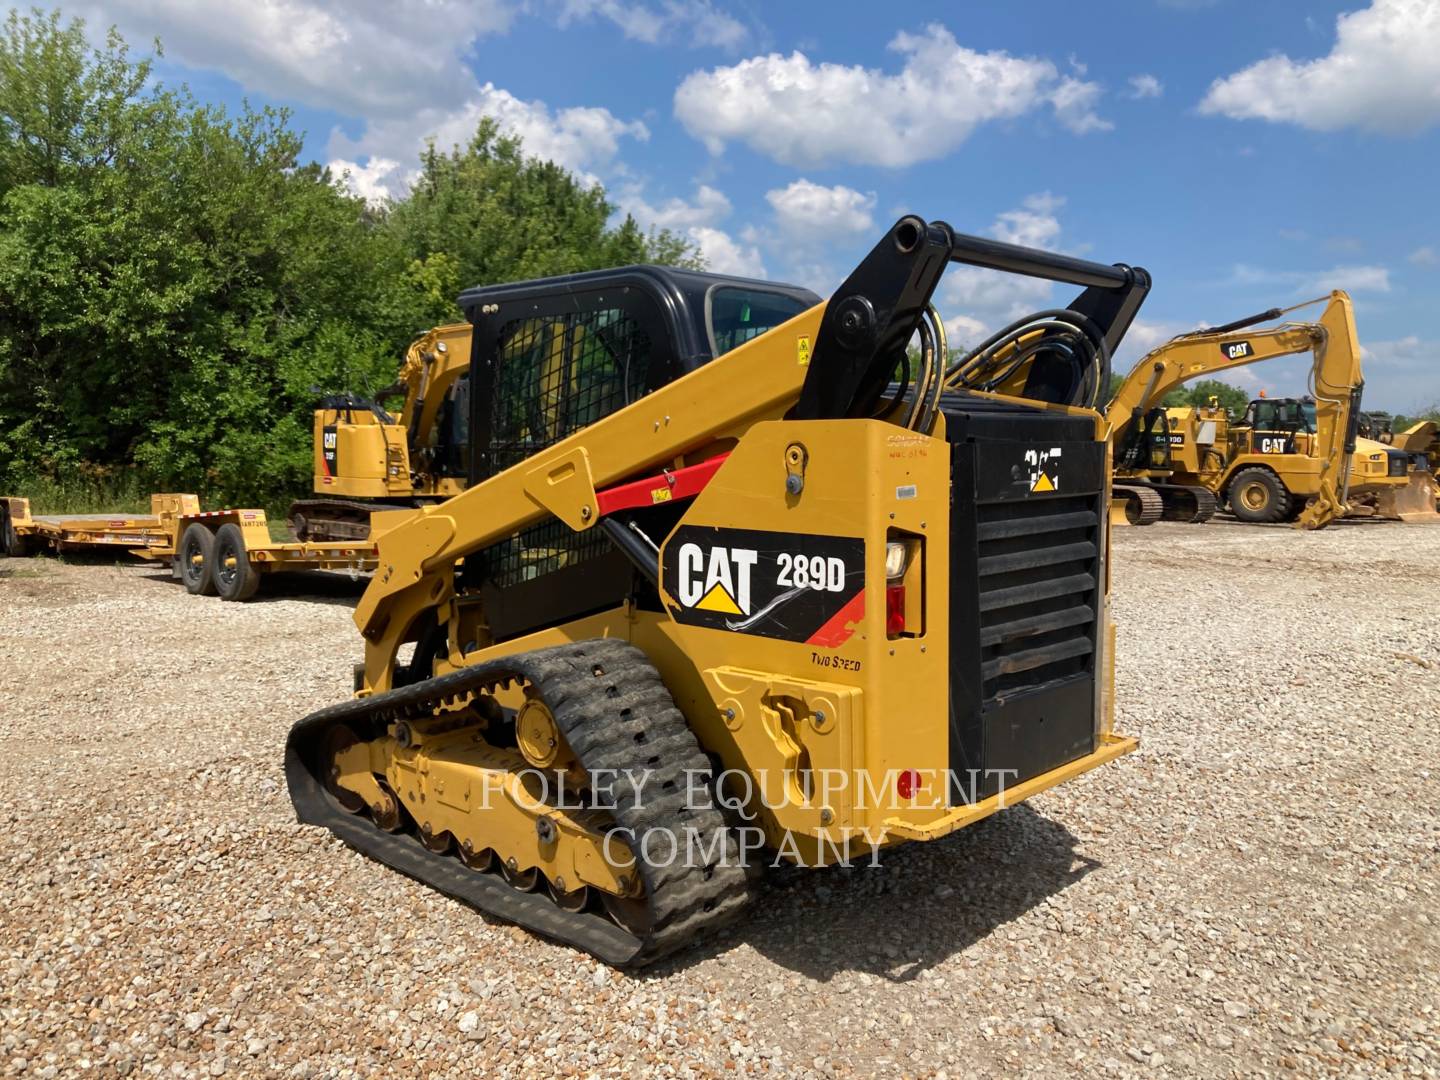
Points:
point(735, 581)
point(1286, 459)
point(367, 459)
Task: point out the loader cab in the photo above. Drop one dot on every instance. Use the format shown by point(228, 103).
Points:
point(1275, 425)
point(549, 358)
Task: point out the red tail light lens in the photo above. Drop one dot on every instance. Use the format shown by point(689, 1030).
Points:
point(894, 610)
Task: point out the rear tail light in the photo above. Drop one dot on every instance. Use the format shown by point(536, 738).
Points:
point(904, 587)
point(894, 610)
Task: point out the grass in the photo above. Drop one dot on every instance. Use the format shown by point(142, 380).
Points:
point(85, 495)
point(124, 494)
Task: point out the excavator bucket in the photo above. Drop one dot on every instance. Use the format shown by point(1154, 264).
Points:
point(1415, 501)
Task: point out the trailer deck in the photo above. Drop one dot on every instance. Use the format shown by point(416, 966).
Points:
point(210, 551)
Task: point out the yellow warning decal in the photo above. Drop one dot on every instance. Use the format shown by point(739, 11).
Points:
point(1042, 483)
point(802, 351)
point(659, 495)
point(717, 599)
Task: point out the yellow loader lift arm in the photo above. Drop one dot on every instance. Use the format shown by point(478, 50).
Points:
point(841, 371)
point(1335, 379)
point(723, 538)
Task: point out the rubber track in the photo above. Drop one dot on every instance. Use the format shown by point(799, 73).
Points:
point(1151, 505)
point(616, 714)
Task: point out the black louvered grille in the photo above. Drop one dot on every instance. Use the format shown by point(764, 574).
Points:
point(1037, 591)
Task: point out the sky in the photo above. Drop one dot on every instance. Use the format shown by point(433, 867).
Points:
point(1249, 155)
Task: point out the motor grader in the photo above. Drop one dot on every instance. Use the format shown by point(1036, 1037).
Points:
point(1286, 459)
point(736, 581)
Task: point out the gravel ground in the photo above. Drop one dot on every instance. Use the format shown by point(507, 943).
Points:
point(1253, 893)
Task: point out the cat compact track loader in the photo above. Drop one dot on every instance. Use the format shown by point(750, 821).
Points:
point(735, 574)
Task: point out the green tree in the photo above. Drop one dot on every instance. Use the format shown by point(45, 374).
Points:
point(492, 214)
point(172, 280)
point(175, 281)
point(1199, 393)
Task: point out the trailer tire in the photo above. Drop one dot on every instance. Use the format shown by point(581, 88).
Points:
point(197, 543)
point(237, 582)
point(11, 542)
point(1257, 496)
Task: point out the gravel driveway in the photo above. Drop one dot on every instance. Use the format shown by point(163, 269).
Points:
point(1255, 892)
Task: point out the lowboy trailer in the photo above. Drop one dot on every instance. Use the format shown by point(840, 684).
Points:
point(213, 552)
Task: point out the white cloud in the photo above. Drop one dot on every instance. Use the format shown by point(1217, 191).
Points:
point(813, 212)
point(988, 299)
point(374, 182)
point(723, 255)
point(807, 114)
point(1423, 256)
point(1353, 279)
point(371, 58)
point(1383, 74)
point(1032, 224)
point(697, 220)
point(709, 207)
point(698, 22)
point(399, 64)
point(1145, 86)
point(581, 138)
point(1402, 375)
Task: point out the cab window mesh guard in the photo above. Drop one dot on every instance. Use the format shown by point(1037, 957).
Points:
point(557, 374)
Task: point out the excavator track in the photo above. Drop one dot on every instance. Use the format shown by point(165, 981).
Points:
point(1142, 505)
point(616, 714)
point(1187, 502)
point(339, 520)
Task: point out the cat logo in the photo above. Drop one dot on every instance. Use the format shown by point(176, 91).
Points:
point(1238, 350)
point(719, 582)
point(790, 586)
point(1044, 470)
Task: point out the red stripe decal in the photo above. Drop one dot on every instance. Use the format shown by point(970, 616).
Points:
point(839, 628)
point(680, 484)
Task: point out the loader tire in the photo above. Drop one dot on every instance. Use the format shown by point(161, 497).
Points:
point(197, 560)
point(235, 577)
point(1257, 496)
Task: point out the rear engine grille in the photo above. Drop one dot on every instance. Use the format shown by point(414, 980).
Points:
point(1037, 592)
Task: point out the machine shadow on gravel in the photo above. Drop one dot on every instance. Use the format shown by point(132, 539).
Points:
point(921, 905)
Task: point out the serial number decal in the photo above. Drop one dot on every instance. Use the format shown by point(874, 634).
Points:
point(791, 586)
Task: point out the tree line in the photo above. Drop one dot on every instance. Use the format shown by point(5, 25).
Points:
point(176, 282)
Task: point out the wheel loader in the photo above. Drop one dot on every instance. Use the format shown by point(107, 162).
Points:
point(737, 581)
point(1286, 459)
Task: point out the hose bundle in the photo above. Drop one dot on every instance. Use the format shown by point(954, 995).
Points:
point(1059, 334)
